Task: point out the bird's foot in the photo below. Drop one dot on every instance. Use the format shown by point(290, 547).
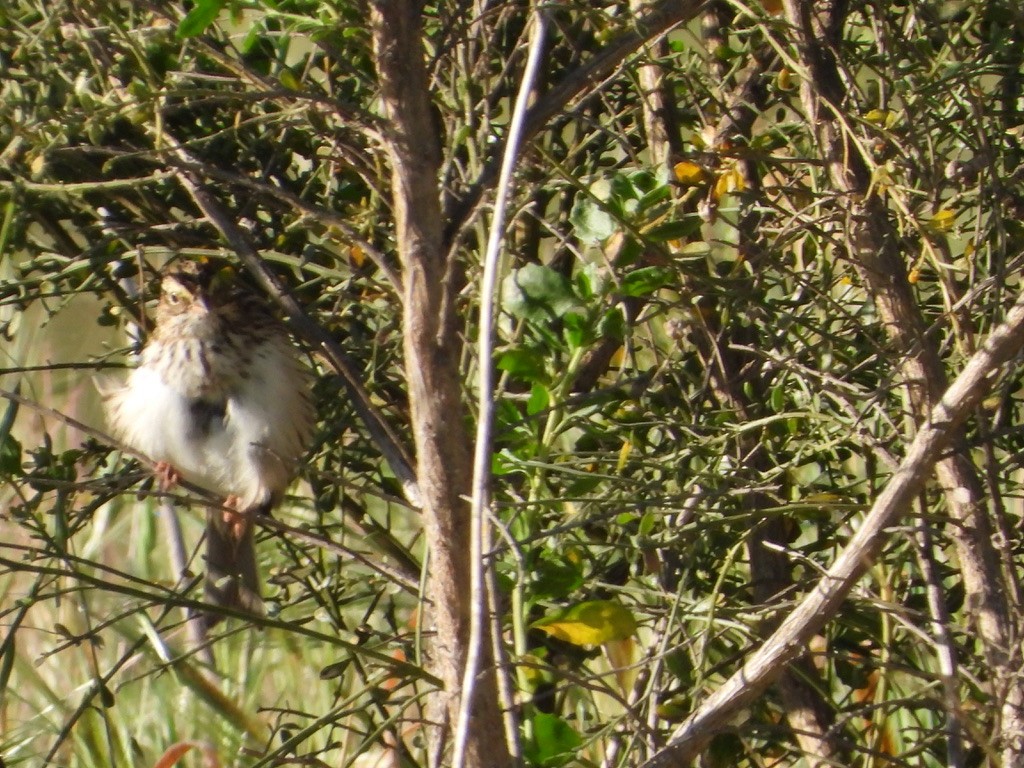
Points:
point(236, 521)
point(167, 475)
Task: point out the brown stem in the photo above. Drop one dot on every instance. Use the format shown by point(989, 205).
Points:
point(872, 246)
point(789, 642)
point(432, 351)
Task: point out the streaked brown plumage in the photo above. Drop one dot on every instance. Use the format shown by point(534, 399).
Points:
point(221, 399)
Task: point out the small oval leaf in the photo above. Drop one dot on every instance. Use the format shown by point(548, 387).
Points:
point(590, 623)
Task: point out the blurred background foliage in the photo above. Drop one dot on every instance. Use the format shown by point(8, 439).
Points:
point(687, 360)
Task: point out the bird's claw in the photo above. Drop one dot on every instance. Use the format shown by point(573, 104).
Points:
point(236, 522)
point(167, 475)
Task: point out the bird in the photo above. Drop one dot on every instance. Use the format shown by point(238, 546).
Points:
point(220, 398)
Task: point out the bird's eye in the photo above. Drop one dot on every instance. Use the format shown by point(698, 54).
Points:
point(173, 298)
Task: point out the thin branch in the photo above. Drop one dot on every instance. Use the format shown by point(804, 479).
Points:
point(789, 641)
point(942, 639)
point(663, 16)
point(323, 216)
point(480, 500)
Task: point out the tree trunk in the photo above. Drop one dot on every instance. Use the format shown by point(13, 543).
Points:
point(432, 353)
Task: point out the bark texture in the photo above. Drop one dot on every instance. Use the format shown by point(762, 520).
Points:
point(432, 352)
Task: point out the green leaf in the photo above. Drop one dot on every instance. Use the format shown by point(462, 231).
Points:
point(590, 280)
point(10, 457)
point(591, 220)
point(554, 741)
point(200, 17)
point(612, 324)
point(523, 363)
point(537, 293)
point(554, 579)
point(539, 400)
point(578, 331)
point(644, 281)
point(590, 623)
point(693, 250)
point(289, 79)
point(725, 750)
point(10, 449)
point(680, 229)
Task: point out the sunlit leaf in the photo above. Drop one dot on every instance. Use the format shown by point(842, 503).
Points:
point(592, 221)
point(690, 174)
point(729, 182)
point(539, 293)
point(202, 15)
point(591, 623)
point(942, 221)
point(539, 400)
point(289, 79)
point(578, 330)
point(356, 256)
point(523, 363)
point(883, 118)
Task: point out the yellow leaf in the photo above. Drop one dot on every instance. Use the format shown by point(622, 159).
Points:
point(621, 655)
point(914, 276)
point(288, 79)
point(784, 80)
point(535, 671)
point(674, 709)
point(624, 452)
point(942, 221)
point(689, 174)
point(356, 256)
point(591, 623)
point(730, 181)
point(883, 118)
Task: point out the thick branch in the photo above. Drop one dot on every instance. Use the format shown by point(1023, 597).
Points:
point(872, 244)
point(789, 642)
point(432, 353)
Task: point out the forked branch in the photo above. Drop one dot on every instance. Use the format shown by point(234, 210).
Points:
point(789, 642)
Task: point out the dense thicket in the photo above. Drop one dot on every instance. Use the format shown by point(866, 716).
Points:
point(748, 246)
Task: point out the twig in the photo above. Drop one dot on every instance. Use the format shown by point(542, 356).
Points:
point(789, 641)
point(480, 499)
point(175, 543)
point(663, 16)
point(942, 639)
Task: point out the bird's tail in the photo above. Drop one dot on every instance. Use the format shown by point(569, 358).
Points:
point(232, 579)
